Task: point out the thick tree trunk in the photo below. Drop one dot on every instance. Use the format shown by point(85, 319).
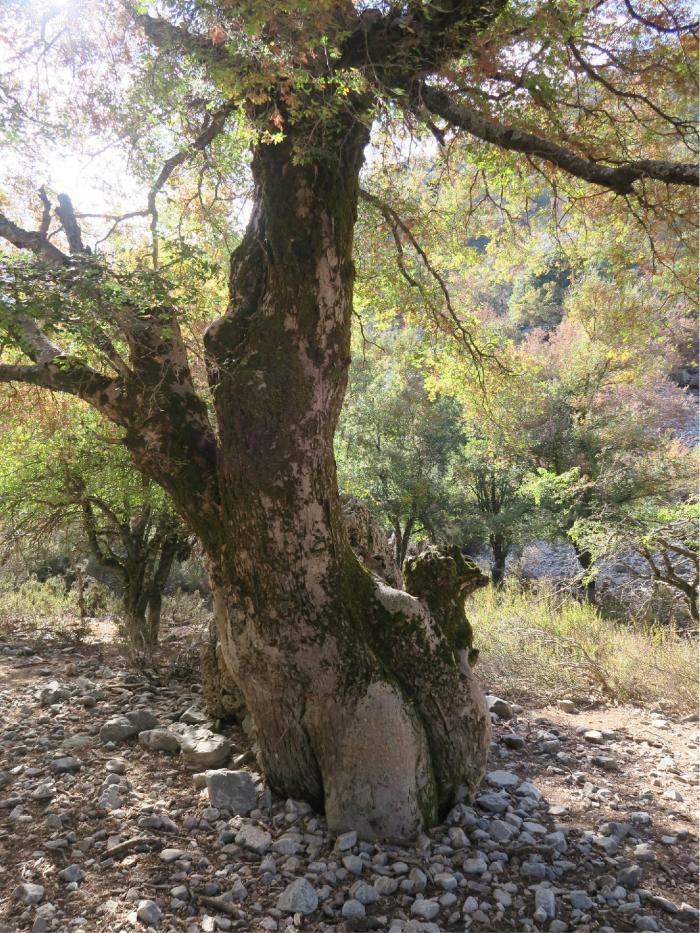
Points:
point(362, 704)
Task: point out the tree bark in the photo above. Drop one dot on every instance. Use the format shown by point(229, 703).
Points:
point(585, 559)
point(362, 705)
point(500, 549)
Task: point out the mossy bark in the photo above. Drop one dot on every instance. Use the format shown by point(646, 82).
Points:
point(362, 705)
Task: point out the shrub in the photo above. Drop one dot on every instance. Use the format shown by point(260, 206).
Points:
point(540, 644)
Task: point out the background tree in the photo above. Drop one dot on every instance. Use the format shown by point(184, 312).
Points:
point(332, 667)
point(395, 443)
point(494, 508)
point(648, 523)
point(76, 474)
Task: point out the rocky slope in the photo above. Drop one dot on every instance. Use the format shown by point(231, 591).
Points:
point(122, 808)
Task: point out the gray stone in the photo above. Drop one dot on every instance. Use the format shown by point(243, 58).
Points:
point(425, 909)
point(663, 903)
point(533, 871)
point(238, 890)
point(630, 877)
point(72, 873)
point(353, 909)
point(527, 789)
point(605, 762)
point(66, 764)
point(299, 897)
point(254, 837)
point(204, 749)
point(446, 881)
point(172, 855)
point(385, 887)
point(594, 736)
point(644, 852)
point(53, 692)
point(29, 893)
point(194, 716)
point(646, 923)
point(502, 779)
point(513, 741)
point(364, 893)
point(116, 766)
point(44, 791)
point(148, 913)
point(143, 719)
point(354, 864)
point(494, 803)
point(579, 900)
point(346, 841)
point(545, 903)
point(499, 707)
point(232, 790)
point(118, 729)
point(159, 740)
point(474, 866)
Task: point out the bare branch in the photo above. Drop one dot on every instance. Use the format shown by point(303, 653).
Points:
point(618, 178)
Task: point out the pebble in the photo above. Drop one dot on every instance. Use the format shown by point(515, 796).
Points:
point(425, 909)
point(148, 913)
point(545, 904)
point(299, 897)
point(353, 909)
point(73, 873)
point(346, 841)
point(502, 779)
point(254, 837)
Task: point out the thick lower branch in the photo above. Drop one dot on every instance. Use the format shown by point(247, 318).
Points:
point(620, 178)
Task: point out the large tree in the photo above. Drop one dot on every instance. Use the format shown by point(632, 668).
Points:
point(362, 699)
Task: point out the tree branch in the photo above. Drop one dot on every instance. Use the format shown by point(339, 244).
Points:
point(33, 240)
point(619, 178)
point(71, 227)
point(418, 40)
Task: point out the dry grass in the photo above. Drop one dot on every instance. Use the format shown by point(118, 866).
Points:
point(541, 645)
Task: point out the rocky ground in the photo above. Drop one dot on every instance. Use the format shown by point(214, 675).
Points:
point(122, 808)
